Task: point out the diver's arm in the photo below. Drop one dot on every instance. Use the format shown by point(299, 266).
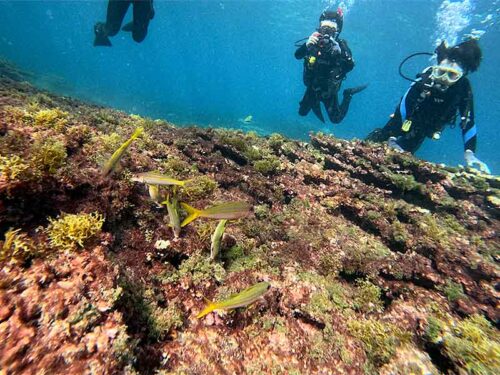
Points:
point(469, 131)
point(346, 60)
point(301, 52)
point(409, 102)
point(466, 109)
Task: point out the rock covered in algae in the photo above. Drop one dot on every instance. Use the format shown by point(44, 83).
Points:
point(378, 262)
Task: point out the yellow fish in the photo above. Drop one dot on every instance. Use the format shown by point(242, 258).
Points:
point(243, 298)
point(228, 210)
point(117, 155)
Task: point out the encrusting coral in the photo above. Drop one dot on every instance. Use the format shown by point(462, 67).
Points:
point(378, 262)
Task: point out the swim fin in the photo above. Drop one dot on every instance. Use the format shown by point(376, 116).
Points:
point(316, 108)
point(101, 35)
point(102, 40)
point(354, 90)
point(128, 27)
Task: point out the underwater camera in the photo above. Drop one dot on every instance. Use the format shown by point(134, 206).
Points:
point(325, 42)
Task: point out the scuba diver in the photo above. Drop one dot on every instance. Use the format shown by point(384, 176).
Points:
point(327, 60)
point(433, 100)
point(143, 12)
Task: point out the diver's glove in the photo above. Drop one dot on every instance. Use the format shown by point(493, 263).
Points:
point(473, 162)
point(391, 142)
point(313, 39)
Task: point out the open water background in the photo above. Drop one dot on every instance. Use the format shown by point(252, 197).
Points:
point(212, 63)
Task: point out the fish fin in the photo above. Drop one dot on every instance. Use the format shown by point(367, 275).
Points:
point(208, 309)
point(193, 213)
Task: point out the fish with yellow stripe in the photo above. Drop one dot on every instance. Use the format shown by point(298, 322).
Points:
point(241, 299)
point(111, 164)
point(155, 178)
point(227, 210)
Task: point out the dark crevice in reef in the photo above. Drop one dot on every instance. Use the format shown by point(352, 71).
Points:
point(232, 154)
point(137, 316)
point(443, 364)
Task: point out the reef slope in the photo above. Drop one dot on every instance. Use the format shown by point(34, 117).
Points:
point(378, 262)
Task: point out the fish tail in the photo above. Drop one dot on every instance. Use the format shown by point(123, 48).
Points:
point(208, 309)
point(193, 213)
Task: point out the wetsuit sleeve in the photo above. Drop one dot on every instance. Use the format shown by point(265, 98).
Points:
point(466, 108)
point(346, 61)
point(301, 52)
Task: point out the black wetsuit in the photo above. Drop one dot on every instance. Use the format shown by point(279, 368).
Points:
point(143, 12)
point(323, 79)
point(429, 110)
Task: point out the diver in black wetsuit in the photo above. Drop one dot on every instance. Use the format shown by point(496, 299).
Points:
point(327, 60)
point(433, 101)
point(143, 12)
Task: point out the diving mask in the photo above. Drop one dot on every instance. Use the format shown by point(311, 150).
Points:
point(447, 72)
point(328, 27)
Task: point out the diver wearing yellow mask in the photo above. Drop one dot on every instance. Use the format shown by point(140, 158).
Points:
point(434, 100)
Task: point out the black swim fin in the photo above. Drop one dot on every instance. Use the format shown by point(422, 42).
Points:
point(354, 90)
point(316, 108)
point(102, 40)
point(101, 35)
point(128, 27)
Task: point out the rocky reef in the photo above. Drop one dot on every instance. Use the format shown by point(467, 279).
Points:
point(379, 263)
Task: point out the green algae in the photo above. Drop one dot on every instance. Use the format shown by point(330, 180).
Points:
point(367, 297)
point(268, 165)
point(51, 118)
point(14, 168)
point(453, 291)
point(48, 155)
point(379, 339)
point(472, 345)
point(198, 269)
point(197, 188)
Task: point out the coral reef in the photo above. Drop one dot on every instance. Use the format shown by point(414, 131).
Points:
point(378, 262)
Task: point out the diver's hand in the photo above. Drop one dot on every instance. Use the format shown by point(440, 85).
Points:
point(335, 48)
point(473, 162)
point(313, 39)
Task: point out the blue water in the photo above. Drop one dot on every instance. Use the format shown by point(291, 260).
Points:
point(215, 62)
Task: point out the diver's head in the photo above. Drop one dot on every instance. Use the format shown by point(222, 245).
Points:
point(447, 73)
point(331, 22)
point(466, 54)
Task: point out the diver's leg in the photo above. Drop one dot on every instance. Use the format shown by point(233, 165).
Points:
point(306, 102)
point(143, 13)
point(340, 111)
point(334, 110)
point(116, 12)
point(391, 129)
point(411, 144)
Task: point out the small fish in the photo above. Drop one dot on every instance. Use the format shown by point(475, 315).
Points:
point(248, 119)
point(154, 193)
point(243, 298)
point(117, 155)
point(228, 210)
point(173, 215)
point(216, 239)
point(155, 178)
